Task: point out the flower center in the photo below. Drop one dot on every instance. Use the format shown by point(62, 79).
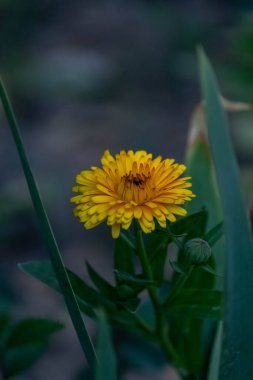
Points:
point(138, 180)
point(134, 187)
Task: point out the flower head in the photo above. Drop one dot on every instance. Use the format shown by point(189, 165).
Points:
point(131, 185)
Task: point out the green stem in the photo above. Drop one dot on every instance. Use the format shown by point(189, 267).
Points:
point(48, 235)
point(161, 329)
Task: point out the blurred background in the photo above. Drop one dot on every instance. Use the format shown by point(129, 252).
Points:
point(85, 76)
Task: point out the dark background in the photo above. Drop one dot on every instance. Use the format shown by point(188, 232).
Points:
point(85, 76)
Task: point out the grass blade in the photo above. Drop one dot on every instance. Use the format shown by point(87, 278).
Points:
point(48, 235)
point(107, 367)
point(213, 369)
point(237, 348)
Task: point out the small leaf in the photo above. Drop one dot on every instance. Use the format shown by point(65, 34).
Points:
point(177, 267)
point(209, 269)
point(131, 304)
point(126, 277)
point(193, 225)
point(101, 284)
point(214, 234)
point(106, 368)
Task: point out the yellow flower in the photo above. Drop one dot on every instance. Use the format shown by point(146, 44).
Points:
point(131, 185)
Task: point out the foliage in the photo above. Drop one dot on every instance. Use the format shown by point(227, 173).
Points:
point(170, 288)
point(23, 342)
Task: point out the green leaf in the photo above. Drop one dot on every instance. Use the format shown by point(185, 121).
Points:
point(128, 239)
point(237, 352)
point(5, 326)
point(157, 247)
point(126, 277)
point(191, 226)
point(25, 343)
point(43, 271)
point(107, 367)
point(200, 167)
point(48, 235)
point(20, 358)
point(32, 330)
point(207, 268)
point(214, 234)
point(213, 369)
point(195, 303)
point(177, 267)
point(123, 256)
point(101, 284)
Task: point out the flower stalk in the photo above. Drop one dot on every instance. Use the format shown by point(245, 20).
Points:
point(161, 328)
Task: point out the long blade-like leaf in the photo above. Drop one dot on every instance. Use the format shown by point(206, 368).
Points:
point(237, 348)
point(48, 235)
point(107, 367)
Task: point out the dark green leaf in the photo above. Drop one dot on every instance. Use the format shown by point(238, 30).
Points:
point(213, 368)
point(128, 238)
point(237, 353)
point(157, 248)
point(4, 329)
point(192, 226)
point(177, 267)
point(123, 256)
point(20, 358)
point(32, 330)
point(48, 235)
point(101, 284)
point(214, 234)
point(43, 271)
point(209, 269)
point(130, 304)
point(195, 303)
point(126, 277)
point(107, 367)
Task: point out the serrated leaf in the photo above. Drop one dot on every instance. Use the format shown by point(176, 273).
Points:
point(107, 367)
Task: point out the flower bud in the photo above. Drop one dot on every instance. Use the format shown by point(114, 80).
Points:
point(197, 251)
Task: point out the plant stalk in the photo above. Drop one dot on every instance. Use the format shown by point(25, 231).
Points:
point(161, 329)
